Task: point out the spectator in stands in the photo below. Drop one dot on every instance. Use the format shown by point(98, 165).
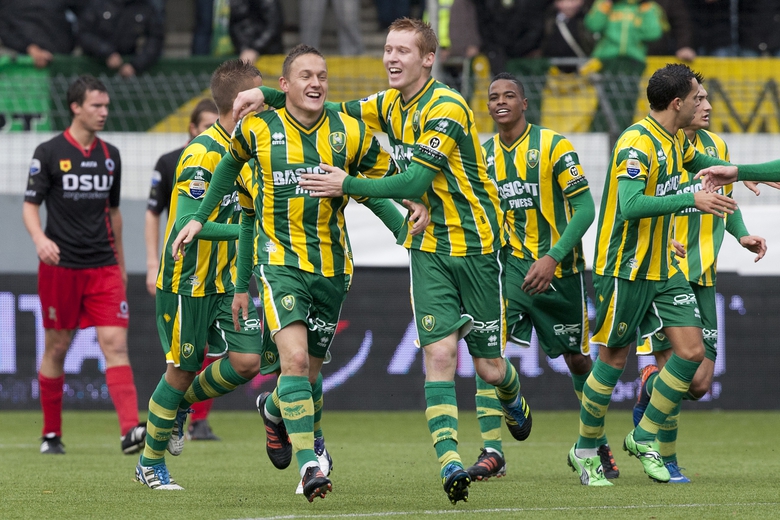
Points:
point(565, 35)
point(388, 11)
point(623, 29)
point(39, 28)
point(759, 28)
point(312, 13)
point(677, 39)
point(510, 29)
point(201, 32)
point(712, 27)
point(127, 35)
point(464, 32)
point(256, 28)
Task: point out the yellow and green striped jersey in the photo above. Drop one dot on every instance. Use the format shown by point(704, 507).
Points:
point(436, 129)
point(209, 266)
point(536, 175)
point(639, 248)
point(292, 227)
point(701, 233)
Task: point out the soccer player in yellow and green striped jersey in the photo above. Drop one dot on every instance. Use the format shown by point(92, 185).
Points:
point(195, 292)
point(456, 267)
point(302, 251)
point(548, 207)
point(636, 283)
point(700, 235)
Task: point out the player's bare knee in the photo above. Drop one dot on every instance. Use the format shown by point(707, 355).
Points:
point(246, 367)
point(579, 364)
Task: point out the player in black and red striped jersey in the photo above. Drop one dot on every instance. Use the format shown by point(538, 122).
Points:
point(81, 275)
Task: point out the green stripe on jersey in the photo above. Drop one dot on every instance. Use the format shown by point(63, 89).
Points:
point(294, 228)
point(536, 175)
point(208, 267)
point(436, 129)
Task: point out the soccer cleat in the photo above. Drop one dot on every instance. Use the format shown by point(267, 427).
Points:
point(155, 477)
point(52, 445)
point(649, 457)
point(176, 440)
point(323, 457)
point(590, 469)
point(456, 483)
point(643, 398)
point(608, 463)
point(315, 484)
point(200, 431)
point(518, 419)
point(134, 440)
point(675, 475)
point(489, 464)
point(277, 442)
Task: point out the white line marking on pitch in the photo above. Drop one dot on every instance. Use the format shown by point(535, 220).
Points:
point(509, 510)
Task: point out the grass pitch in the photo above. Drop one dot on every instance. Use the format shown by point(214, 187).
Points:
point(384, 466)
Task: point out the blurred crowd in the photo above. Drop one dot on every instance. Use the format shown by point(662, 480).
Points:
point(129, 35)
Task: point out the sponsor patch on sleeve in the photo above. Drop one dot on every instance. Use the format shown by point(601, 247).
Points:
point(197, 189)
point(633, 168)
point(35, 166)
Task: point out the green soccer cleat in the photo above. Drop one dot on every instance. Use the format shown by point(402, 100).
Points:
point(648, 455)
point(590, 469)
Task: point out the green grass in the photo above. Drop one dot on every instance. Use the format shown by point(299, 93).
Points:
point(384, 466)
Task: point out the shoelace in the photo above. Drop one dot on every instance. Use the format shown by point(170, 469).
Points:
point(161, 472)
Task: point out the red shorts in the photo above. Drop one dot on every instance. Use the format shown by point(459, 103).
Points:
point(81, 298)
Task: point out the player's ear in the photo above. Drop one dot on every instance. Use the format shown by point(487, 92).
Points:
point(429, 59)
point(283, 84)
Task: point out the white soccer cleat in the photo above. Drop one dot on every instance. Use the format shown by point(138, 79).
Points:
point(176, 441)
point(155, 477)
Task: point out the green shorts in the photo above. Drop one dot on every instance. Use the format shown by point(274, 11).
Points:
point(187, 324)
point(705, 296)
point(459, 293)
point(291, 295)
point(624, 307)
point(559, 315)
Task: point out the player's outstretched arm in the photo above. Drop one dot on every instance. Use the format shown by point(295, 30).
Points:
point(714, 203)
point(753, 186)
point(754, 244)
point(411, 184)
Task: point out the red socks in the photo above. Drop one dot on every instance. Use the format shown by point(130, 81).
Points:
point(121, 387)
point(51, 403)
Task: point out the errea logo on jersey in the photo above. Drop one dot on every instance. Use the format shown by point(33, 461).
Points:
point(277, 138)
point(441, 126)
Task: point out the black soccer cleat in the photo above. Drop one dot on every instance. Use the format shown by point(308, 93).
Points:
point(134, 440)
point(315, 484)
point(52, 445)
point(518, 419)
point(489, 464)
point(277, 442)
point(456, 483)
point(608, 464)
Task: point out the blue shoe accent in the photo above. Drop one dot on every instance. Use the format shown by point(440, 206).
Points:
point(518, 418)
point(676, 476)
point(456, 482)
point(643, 398)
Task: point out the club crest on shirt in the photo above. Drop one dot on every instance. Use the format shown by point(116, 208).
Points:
point(532, 157)
point(711, 151)
point(187, 349)
point(428, 322)
point(288, 302)
point(416, 120)
point(270, 357)
point(622, 328)
point(337, 141)
point(65, 165)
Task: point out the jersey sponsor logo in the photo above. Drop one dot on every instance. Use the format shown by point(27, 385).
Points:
point(633, 263)
point(710, 334)
point(269, 247)
point(88, 164)
point(30, 193)
point(431, 152)
point(252, 324)
point(633, 168)
point(35, 167)
point(435, 142)
point(197, 189)
point(442, 126)
point(532, 157)
point(337, 141)
point(402, 153)
point(562, 329)
point(187, 349)
point(516, 188)
point(65, 165)
point(576, 180)
point(288, 302)
point(87, 182)
point(574, 171)
point(685, 299)
point(231, 199)
point(527, 202)
point(416, 121)
point(193, 280)
point(288, 177)
point(671, 185)
point(569, 160)
point(52, 313)
point(322, 326)
point(277, 138)
point(124, 311)
point(428, 322)
point(484, 327)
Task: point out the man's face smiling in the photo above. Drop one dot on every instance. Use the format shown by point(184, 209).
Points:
point(307, 86)
point(505, 104)
point(407, 71)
